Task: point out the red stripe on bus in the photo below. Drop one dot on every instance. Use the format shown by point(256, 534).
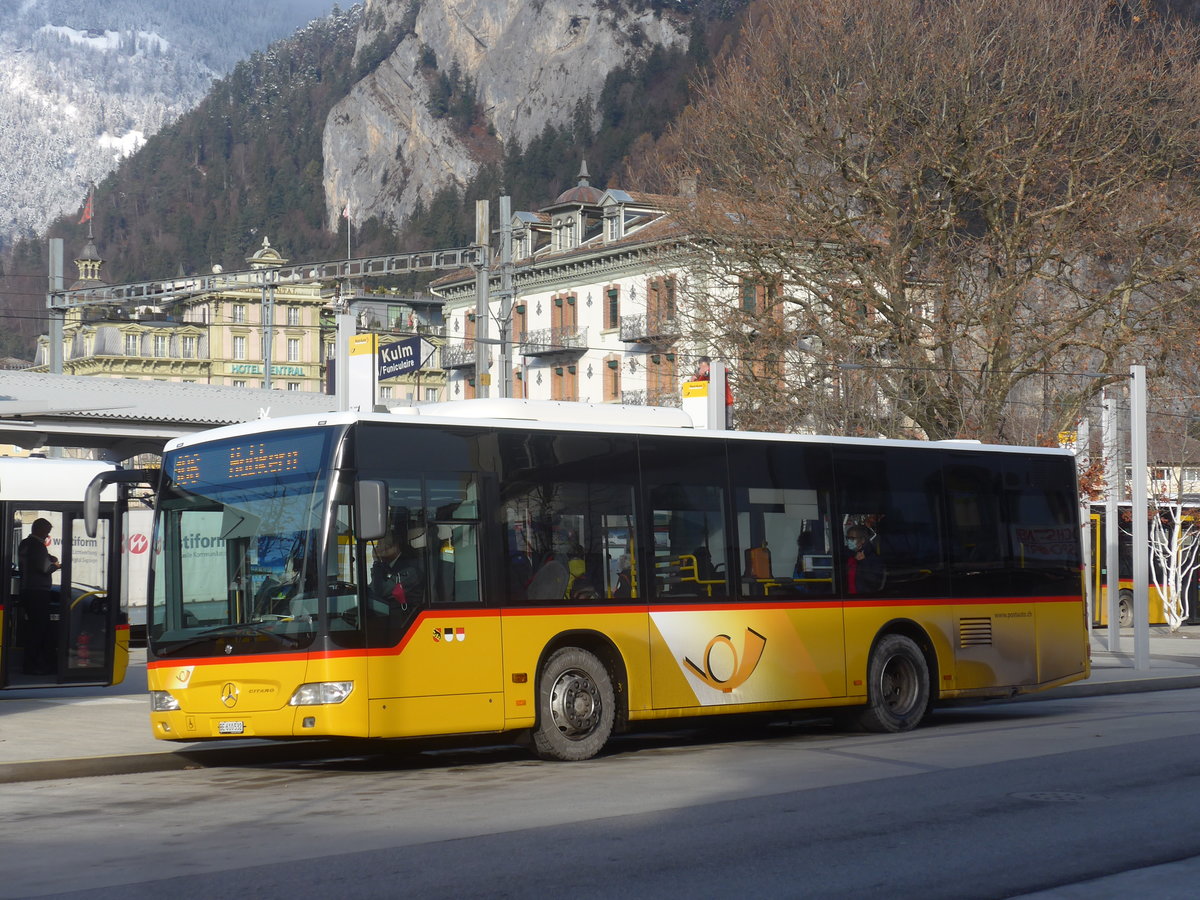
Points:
point(424, 617)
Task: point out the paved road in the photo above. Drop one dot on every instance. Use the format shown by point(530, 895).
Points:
point(994, 801)
point(68, 732)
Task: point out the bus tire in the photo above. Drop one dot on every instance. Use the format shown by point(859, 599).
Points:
point(1125, 609)
point(576, 706)
point(897, 686)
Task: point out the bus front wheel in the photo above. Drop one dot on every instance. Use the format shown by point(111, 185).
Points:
point(576, 706)
point(897, 686)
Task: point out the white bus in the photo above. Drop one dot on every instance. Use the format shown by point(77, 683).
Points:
point(87, 640)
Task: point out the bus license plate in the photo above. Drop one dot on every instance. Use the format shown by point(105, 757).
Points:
point(231, 727)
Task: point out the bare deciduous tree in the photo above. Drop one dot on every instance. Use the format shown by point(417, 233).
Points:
point(955, 209)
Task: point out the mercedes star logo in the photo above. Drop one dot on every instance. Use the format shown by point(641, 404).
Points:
point(229, 694)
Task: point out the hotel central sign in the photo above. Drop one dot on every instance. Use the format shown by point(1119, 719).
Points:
point(256, 369)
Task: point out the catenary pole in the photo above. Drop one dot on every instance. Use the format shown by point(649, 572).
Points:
point(482, 350)
point(504, 325)
point(1141, 537)
point(1112, 525)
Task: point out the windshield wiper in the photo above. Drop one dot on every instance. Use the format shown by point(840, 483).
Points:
point(254, 627)
point(209, 634)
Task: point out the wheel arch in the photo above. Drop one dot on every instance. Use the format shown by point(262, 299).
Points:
point(603, 648)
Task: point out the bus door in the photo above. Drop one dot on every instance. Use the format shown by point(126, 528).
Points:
point(437, 662)
point(91, 616)
point(65, 634)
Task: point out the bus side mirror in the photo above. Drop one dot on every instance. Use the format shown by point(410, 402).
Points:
point(91, 497)
point(371, 500)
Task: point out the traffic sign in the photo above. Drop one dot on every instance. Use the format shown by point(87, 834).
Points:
point(403, 357)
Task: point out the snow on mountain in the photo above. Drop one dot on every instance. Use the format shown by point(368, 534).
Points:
point(84, 83)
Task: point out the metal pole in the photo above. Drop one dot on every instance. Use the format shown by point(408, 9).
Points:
point(57, 313)
point(717, 373)
point(506, 297)
point(1141, 537)
point(1112, 524)
point(483, 377)
point(1082, 458)
point(345, 328)
point(268, 335)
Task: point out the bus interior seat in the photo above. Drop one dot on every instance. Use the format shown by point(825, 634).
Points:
point(549, 582)
point(758, 563)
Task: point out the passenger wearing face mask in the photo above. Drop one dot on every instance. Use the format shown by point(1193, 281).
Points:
point(865, 572)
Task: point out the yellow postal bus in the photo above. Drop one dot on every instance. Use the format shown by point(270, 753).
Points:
point(1099, 573)
point(498, 567)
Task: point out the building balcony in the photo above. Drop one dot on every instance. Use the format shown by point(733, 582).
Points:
point(459, 356)
point(551, 341)
point(649, 329)
point(651, 398)
point(663, 398)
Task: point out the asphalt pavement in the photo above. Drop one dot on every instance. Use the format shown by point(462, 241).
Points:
point(74, 732)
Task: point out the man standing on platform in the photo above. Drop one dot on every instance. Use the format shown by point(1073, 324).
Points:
point(37, 567)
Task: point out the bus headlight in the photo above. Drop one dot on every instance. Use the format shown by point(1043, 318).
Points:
point(318, 693)
point(161, 701)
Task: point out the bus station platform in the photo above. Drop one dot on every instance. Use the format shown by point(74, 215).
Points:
point(75, 732)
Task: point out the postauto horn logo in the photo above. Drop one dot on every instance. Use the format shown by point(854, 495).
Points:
point(744, 664)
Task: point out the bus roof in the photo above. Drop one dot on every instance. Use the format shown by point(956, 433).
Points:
point(37, 479)
point(549, 415)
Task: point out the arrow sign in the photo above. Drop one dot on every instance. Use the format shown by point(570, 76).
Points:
point(403, 357)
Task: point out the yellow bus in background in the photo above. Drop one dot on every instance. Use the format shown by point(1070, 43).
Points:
point(86, 640)
point(567, 571)
point(1099, 572)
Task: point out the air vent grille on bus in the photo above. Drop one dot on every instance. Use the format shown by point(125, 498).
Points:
point(975, 632)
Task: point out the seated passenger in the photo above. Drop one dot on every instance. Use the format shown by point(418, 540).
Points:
point(705, 570)
point(865, 572)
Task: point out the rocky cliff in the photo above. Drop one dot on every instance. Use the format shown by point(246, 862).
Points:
point(531, 62)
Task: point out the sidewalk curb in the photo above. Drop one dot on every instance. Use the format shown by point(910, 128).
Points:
point(1102, 688)
point(263, 753)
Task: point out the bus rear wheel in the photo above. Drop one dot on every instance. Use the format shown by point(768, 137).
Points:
point(897, 686)
point(576, 706)
point(1125, 609)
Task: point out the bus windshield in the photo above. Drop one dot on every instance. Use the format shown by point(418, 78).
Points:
point(237, 545)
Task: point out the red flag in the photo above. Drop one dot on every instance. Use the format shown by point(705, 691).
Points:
point(87, 209)
point(346, 211)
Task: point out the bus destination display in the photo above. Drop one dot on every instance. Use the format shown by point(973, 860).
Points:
point(278, 457)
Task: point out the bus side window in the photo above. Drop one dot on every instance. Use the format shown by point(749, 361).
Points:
point(566, 516)
point(782, 498)
point(686, 483)
point(889, 507)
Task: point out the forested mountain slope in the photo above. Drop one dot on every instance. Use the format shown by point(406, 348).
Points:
point(85, 84)
point(255, 158)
